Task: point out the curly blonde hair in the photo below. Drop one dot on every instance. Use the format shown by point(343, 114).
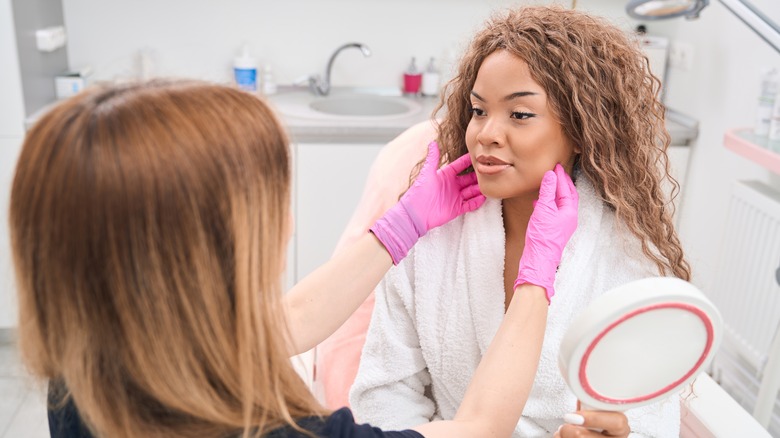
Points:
point(599, 85)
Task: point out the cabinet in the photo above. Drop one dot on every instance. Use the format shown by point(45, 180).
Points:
point(329, 180)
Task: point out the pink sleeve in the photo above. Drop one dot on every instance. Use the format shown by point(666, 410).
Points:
point(338, 356)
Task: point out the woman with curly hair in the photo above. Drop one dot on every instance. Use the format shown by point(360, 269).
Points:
point(537, 86)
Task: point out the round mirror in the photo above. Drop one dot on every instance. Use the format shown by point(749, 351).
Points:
point(661, 9)
point(639, 343)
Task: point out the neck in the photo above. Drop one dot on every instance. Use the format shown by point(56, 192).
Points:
point(516, 213)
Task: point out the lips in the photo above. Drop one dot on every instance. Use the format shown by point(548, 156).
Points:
point(489, 165)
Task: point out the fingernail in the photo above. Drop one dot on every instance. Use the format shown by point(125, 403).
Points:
point(559, 429)
point(576, 419)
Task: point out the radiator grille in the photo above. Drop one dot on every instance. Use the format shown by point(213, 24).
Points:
point(747, 293)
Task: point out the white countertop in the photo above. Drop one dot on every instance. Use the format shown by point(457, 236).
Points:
point(682, 129)
point(358, 129)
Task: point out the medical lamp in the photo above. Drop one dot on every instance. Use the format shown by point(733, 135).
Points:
point(663, 9)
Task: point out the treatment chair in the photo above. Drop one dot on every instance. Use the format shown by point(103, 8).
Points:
point(707, 412)
point(338, 357)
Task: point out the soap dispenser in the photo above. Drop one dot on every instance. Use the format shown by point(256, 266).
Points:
point(412, 79)
point(269, 83)
point(430, 80)
point(245, 70)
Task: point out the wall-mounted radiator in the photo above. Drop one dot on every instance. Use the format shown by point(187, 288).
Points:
point(746, 290)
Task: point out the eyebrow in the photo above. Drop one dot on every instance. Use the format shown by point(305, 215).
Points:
point(509, 97)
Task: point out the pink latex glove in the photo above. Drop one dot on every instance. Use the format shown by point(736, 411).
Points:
point(435, 198)
point(551, 225)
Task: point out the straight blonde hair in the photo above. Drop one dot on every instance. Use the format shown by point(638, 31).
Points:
point(149, 224)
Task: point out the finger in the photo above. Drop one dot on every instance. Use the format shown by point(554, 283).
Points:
point(472, 204)
point(566, 193)
point(466, 180)
point(572, 188)
point(562, 189)
point(431, 160)
point(460, 164)
point(470, 192)
point(547, 189)
point(611, 423)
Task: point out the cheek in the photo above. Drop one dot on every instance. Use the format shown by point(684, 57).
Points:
point(471, 136)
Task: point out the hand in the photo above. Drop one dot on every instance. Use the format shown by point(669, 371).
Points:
point(594, 424)
point(551, 225)
point(435, 198)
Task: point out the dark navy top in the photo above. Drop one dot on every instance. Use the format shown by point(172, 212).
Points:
point(66, 423)
point(340, 424)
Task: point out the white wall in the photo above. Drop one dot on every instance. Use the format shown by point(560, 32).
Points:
point(296, 37)
point(11, 133)
point(721, 91)
point(199, 39)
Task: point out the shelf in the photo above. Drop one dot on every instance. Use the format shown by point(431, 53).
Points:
point(743, 142)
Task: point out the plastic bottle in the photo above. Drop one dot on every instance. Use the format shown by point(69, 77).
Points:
point(430, 80)
point(412, 79)
point(269, 83)
point(774, 127)
point(245, 70)
point(770, 84)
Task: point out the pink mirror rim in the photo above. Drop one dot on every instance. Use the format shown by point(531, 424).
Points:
point(684, 306)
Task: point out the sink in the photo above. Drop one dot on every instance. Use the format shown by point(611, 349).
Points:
point(346, 105)
point(358, 105)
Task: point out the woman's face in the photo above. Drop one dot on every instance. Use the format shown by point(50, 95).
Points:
point(512, 137)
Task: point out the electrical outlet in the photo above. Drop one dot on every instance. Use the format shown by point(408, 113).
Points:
point(681, 56)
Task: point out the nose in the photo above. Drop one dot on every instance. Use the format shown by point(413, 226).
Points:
point(490, 132)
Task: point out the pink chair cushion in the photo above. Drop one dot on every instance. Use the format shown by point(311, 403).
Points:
point(338, 357)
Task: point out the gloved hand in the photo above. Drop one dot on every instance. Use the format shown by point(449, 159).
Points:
point(551, 225)
point(436, 197)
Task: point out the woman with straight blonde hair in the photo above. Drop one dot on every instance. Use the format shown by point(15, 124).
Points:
point(149, 224)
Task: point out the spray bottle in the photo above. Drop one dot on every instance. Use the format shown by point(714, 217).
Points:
point(770, 84)
point(245, 70)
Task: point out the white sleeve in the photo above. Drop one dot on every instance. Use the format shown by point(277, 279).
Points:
point(658, 420)
point(390, 388)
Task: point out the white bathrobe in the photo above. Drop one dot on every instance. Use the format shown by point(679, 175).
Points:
point(437, 311)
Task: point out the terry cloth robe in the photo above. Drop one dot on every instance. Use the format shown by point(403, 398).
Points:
point(437, 311)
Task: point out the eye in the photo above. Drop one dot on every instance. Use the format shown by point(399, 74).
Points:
point(522, 116)
point(476, 112)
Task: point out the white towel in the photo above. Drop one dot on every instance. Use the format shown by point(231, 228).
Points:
point(438, 310)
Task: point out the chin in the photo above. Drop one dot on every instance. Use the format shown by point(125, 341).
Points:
point(494, 191)
point(502, 191)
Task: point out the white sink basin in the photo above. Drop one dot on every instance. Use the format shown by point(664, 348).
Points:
point(360, 106)
point(345, 106)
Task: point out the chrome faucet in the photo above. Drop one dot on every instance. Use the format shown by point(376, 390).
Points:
point(321, 86)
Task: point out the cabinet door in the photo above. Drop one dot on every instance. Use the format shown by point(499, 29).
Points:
point(329, 183)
